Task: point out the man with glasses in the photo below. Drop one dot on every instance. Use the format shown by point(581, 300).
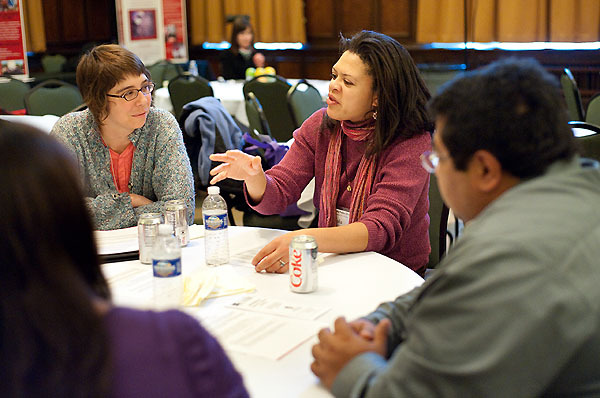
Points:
point(514, 308)
point(131, 155)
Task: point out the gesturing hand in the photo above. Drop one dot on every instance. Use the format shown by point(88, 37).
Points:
point(236, 164)
point(336, 349)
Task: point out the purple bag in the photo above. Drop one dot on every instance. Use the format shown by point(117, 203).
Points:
point(270, 150)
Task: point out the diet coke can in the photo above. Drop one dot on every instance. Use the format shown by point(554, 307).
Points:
point(303, 264)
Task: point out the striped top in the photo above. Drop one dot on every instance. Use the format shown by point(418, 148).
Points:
point(160, 171)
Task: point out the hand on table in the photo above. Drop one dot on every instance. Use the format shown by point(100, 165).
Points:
point(139, 200)
point(336, 349)
point(271, 257)
point(236, 164)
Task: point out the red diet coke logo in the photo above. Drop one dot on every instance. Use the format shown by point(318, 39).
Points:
point(296, 271)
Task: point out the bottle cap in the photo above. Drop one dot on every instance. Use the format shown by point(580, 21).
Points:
point(165, 229)
point(213, 190)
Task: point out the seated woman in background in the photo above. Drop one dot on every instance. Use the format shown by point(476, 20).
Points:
point(363, 150)
point(131, 155)
point(241, 55)
point(61, 337)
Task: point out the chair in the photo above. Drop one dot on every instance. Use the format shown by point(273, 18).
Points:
point(588, 136)
point(303, 100)
point(53, 63)
point(572, 96)
point(592, 114)
point(256, 116)
point(438, 223)
point(12, 95)
point(52, 97)
point(187, 88)
point(164, 70)
point(272, 91)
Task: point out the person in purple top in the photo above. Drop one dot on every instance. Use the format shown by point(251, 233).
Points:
point(363, 150)
point(60, 335)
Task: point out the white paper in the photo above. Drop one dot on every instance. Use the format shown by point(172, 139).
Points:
point(117, 240)
point(126, 239)
point(271, 306)
point(258, 334)
point(244, 257)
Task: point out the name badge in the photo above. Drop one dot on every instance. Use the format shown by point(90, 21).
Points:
point(342, 217)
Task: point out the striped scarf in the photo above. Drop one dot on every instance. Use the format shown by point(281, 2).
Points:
point(333, 166)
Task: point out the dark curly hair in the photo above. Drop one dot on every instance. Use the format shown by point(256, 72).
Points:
point(512, 108)
point(401, 92)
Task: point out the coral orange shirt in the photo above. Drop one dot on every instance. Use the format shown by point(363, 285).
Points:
point(120, 167)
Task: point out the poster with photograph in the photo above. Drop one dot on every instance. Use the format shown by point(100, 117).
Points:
point(153, 29)
point(13, 56)
point(174, 17)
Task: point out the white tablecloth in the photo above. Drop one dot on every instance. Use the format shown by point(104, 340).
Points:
point(44, 123)
point(231, 94)
point(350, 285)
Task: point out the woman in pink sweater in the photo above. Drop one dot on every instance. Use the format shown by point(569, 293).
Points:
point(363, 150)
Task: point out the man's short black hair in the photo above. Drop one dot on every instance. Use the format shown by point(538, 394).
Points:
point(512, 108)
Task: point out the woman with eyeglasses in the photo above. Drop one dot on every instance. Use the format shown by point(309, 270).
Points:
point(363, 150)
point(131, 155)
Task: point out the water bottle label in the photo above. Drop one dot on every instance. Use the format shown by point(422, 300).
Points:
point(166, 268)
point(215, 222)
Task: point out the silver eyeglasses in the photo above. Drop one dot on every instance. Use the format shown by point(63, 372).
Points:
point(430, 161)
point(132, 94)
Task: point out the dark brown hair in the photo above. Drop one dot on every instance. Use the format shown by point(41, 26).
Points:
point(100, 70)
point(401, 92)
point(53, 342)
point(240, 23)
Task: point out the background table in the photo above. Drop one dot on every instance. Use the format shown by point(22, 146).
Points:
point(350, 285)
point(231, 94)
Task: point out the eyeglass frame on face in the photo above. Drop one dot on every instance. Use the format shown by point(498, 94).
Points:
point(430, 161)
point(148, 86)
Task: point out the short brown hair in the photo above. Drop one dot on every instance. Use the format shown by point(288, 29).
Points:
point(100, 70)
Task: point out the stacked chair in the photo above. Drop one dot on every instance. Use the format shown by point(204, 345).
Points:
point(303, 100)
point(12, 95)
point(572, 96)
point(163, 71)
point(52, 97)
point(271, 91)
point(588, 136)
point(187, 88)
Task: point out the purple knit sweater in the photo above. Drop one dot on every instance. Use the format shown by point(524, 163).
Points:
point(167, 354)
point(396, 211)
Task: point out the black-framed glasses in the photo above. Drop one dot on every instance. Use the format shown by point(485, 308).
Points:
point(132, 94)
point(430, 161)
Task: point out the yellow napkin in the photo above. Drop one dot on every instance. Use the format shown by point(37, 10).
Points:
point(213, 282)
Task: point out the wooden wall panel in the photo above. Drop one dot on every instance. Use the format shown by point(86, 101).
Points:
point(52, 20)
point(358, 15)
point(320, 20)
point(100, 18)
point(74, 20)
point(395, 18)
point(69, 24)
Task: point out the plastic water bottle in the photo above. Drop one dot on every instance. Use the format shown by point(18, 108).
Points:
point(166, 268)
point(193, 68)
point(216, 241)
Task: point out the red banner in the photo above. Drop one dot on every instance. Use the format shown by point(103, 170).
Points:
point(13, 58)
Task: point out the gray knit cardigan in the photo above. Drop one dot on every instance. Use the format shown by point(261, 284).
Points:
point(160, 171)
